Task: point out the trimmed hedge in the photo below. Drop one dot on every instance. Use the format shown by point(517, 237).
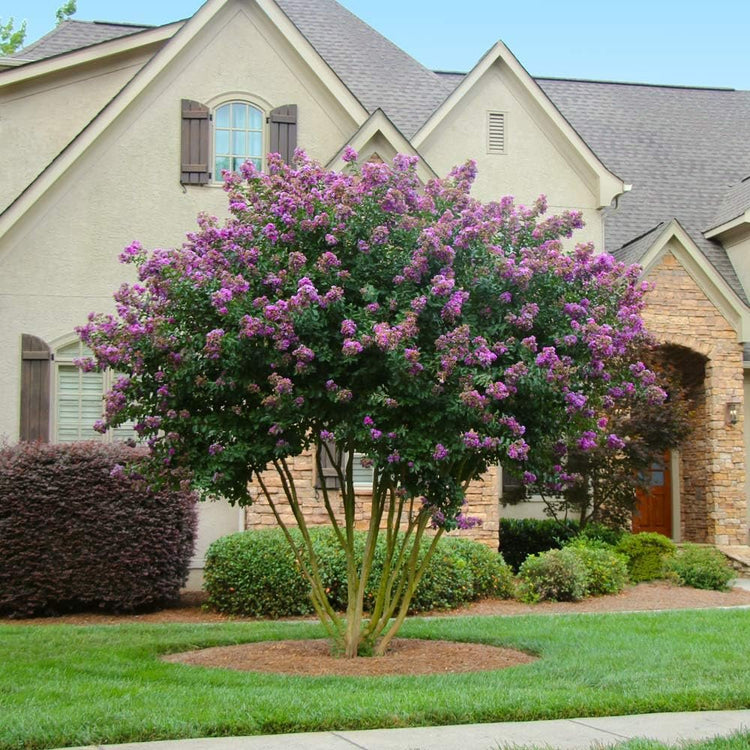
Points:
point(73, 537)
point(647, 554)
point(521, 537)
point(254, 573)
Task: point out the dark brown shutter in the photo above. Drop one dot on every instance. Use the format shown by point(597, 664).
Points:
point(195, 143)
point(329, 474)
point(283, 122)
point(35, 389)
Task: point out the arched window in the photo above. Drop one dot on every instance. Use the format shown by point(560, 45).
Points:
point(238, 136)
point(79, 399)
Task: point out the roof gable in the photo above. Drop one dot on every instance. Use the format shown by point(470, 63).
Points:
point(376, 131)
point(675, 239)
point(607, 184)
point(149, 73)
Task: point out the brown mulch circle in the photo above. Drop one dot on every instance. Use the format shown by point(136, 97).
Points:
point(409, 655)
point(405, 656)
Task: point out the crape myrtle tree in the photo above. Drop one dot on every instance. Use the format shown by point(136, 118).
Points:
point(606, 476)
point(431, 333)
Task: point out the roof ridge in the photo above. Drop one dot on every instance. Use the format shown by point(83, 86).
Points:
point(634, 83)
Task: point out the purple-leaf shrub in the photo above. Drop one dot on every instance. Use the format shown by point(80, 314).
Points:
point(77, 532)
point(431, 332)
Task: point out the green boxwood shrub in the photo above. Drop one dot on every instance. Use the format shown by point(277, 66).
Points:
point(700, 567)
point(492, 575)
point(521, 537)
point(254, 573)
point(647, 554)
point(558, 575)
point(606, 570)
point(601, 533)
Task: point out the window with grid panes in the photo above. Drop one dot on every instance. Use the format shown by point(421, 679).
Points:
point(238, 137)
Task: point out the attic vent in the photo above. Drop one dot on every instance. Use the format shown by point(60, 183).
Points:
point(496, 132)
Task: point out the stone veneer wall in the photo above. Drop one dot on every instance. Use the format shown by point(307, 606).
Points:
point(713, 501)
point(482, 503)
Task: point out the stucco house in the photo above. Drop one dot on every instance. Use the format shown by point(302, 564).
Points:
point(111, 132)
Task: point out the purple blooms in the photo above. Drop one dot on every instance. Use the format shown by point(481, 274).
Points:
point(440, 453)
point(587, 441)
point(348, 327)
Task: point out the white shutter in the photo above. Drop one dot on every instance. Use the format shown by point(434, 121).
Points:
point(79, 403)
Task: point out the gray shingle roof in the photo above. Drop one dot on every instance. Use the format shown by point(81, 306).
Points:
point(376, 71)
point(71, 35)
point(735, 202)
point(679, 147)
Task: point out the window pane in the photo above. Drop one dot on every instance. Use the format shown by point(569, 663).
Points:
point(256, 143)
point(221, 118)
point(362, 476)
point(222, 142)
point(237, 162)
point(239, 115)
point(256, 119)
point(222, 162)
point(239, 145)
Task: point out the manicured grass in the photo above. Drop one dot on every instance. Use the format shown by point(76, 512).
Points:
point(736, 741)
point(67, 685)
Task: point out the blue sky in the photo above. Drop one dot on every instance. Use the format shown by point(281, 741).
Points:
point(654, 41)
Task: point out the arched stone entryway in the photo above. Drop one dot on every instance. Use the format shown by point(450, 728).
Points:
point(698, 339)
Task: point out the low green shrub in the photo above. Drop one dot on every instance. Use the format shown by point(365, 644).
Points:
point(492, 575)
point(700, 567)
point(521, 537)
point(558, 575)
point(647, 554)
point(606, 570)
point(601, 533)
point(254, 573)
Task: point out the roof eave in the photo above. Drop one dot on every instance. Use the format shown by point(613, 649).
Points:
point(27, 70)
point(711, 282)
point(732, 226)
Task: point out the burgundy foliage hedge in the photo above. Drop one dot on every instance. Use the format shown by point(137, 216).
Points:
point(74, 537)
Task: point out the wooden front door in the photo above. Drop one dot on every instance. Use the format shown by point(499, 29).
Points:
point(654, 508)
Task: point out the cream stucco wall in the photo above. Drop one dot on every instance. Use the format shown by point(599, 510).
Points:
point(39, 118)
point(538, 158)
point(60, 260)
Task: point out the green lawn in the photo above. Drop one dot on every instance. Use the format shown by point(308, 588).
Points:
point(67, 685)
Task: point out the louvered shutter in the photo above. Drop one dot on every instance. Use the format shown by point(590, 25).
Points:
point(329, 475)
point(35, 389)
point(195, 151)
point(283, 122)
point(79, 403)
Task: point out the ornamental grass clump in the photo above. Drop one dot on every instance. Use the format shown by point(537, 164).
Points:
point(411, 324)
